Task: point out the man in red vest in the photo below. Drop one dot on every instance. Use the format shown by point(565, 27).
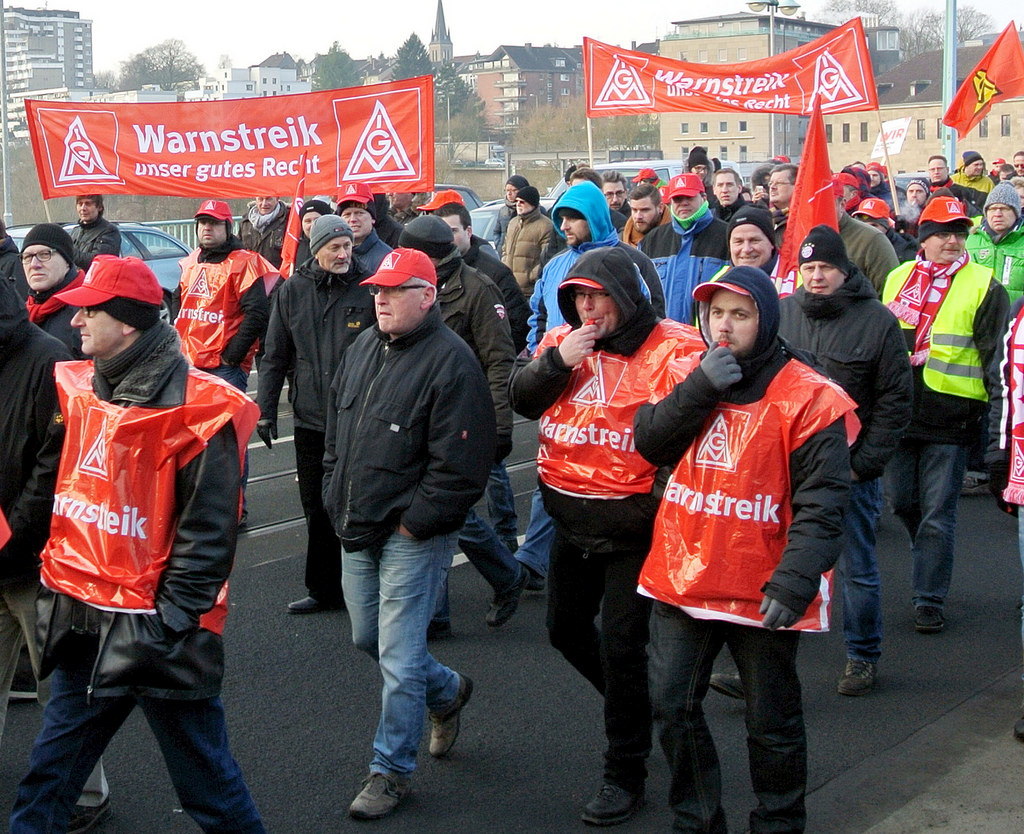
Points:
point(134, 574)
point(750, 520)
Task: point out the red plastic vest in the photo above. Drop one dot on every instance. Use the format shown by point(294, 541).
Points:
point(586, 437)
point(211, 304)
point(114, 511)
point(723, 522)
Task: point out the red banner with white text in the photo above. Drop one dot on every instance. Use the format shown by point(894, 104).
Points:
point(835, 67)
point(381, 134)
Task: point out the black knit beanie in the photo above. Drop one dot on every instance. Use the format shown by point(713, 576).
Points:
point(430, 234)
point(52, 235)
point(752, 216)
point(824, 244)
point(134, 313)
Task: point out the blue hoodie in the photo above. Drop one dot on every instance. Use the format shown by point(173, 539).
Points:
point(587, 199)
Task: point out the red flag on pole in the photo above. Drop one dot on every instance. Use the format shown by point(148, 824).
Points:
point(813, 203)
point(293, 230)
point(998, 76)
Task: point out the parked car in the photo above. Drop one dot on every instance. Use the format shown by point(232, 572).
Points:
point(469, 196)
point(159, 250)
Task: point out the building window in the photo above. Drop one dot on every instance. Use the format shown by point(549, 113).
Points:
point(938, 128)
point(983, 128)
point(828, 134)
point(723, 127)
point(1004, 125)
point(563, 77)
point(743, 127)
point(741, 54)
point(682, 56)
point(565, 91)
point(702, 56)
point(723, 55)
point(863, 131)
point(846, 131)
point(684, 127)
point(703, 127)
point(723, 151)
point(743, 153)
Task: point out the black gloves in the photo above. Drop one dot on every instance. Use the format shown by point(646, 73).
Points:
point(267, 430)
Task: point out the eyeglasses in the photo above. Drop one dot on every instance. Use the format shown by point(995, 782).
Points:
point(951, 235)
point(592, 295)
point(43, 256)
point(377, 289)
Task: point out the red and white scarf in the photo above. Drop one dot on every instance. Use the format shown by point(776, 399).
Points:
point(1014, 492)
point(920, 298)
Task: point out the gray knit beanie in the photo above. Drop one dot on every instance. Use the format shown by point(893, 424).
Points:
point(327, 228)
point(1004, 194)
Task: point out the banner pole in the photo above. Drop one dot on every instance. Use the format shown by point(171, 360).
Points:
point(888, 165)
point(590, 140)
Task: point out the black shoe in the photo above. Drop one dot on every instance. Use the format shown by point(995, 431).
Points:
point(928, 619)
point(86, 818)
point(1018, 729)
point(534, 581)
point(612, 805)
point(858, 677)
point(439, 630)
point(504, 605)
point(512, 545)
point(728, 685)
point(311, 605)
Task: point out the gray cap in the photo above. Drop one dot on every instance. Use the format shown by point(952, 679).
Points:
point(1004, 194)
point(327, 228)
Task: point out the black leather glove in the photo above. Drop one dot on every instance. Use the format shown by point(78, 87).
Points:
point(721, 368)
point(998, 476)
point(504, 449)
point(267, 430)
point(777, 615)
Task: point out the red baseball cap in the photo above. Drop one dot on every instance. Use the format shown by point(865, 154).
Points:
point(876, 166)
point(704, 292)
point(355, 192)
point(112, 277)
point(646, 174)
point(841, 179)
point(874, 208)
point(781, 159)
point(685, 185)
point(443, 198)
point(217, 209)
point(944, 210)
point(399, 265)
point(590, 283)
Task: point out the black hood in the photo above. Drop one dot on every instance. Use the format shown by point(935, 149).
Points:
point(614, 270)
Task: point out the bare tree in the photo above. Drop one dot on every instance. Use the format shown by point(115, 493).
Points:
point(970, 23)
point(168, 64)
point(922, 30)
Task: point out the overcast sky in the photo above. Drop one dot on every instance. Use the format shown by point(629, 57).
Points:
point(250, 31)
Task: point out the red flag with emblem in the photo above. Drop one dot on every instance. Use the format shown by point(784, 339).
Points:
point(293, 230)
point(813, 203)
point(999, 75)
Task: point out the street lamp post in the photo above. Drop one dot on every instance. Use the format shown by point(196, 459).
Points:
point(788, 8)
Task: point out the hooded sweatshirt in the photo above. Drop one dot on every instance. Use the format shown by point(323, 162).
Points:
point(587, 199)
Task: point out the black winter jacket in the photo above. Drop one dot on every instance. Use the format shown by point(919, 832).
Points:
point(92, 239)
point(11, 268)
point(31, 435)
point(410, 435)
point(859, 344)
point(315, 318)
point(485, 260)
point(166, 654)
point(819, 470)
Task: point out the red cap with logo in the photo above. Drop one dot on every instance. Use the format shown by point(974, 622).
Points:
point(355, 192)
point(217, 209)
point(685, 185)
point(874, 208)
point(400, 265)
point(443, 198)
point(944, 210)
point(646, 174)
point(841, 179)
point(112, 277)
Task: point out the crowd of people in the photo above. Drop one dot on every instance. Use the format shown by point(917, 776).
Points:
point(711, 446)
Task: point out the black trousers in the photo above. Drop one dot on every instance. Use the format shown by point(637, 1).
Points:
point(323, 548)
point(613, 658)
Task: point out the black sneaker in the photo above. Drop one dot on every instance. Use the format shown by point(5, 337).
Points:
point(727, 685)
point(858, 678)
point(534, 581)
point(612, 805)
point(504, 605)
point(928, 619)
point(86, 818)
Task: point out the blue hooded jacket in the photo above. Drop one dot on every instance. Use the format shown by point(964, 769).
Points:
point(587, 199)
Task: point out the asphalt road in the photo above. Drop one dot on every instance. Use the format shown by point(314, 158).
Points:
point(303, 704)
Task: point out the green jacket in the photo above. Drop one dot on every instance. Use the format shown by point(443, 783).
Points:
point(1005, 258)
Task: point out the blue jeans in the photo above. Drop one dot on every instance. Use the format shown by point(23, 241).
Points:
point(501, 503)
point(488, 554)
point(76, 728)
point(682, 651)
point(234, 375)
point(924, 482)
point(390, 590)
point(535, 551)
point(862, 586)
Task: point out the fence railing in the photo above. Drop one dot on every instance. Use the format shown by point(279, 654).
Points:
point(183, 230)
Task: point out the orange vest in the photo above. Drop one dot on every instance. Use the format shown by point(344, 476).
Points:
point(114, 511)
point(586, 437)
point(211, 304)
point(724, 519)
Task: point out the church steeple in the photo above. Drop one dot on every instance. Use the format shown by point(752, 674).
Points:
point(440, 49)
